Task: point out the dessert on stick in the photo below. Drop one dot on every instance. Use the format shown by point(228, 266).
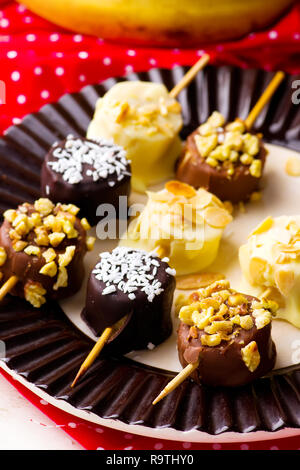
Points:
point(270, 262)
point(42, 246)
point(145, 119)
point(86, 173)
point(128, 302)
point(184, 222)
point(224, 338)
point(227, 158)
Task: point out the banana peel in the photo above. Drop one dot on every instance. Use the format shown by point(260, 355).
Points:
point(161, 22)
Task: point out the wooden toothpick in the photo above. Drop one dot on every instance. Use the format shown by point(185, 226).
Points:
point(189, 76)
point(174, 383)
point(263, 100)
point(8, 286)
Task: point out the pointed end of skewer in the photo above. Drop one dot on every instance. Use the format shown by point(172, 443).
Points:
point(79, 374)
point(159, 397)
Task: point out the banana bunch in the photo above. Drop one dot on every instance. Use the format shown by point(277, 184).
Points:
point(161, 22)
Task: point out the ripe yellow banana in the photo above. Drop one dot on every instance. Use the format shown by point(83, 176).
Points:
point(161, 22)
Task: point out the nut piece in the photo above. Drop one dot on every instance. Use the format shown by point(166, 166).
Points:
point(90, 242)
point(56, 238)
point(216, 119)
point(49, 255)
point(211, 340)
point(10, 215)
point(19, 245)
point(85, 224)
point(217, 217)
point(251, 356)
point(196, 281)
point(34, 293)
point(44, 206)
point(180, 189)
point(66, 258)
point(32, 250)
point(246, 322)
point(41, 238)
point(49, 269)
point(262, 317)
point(263, 227)
point(256, 168)
point(206, 144)
point(3, 256)
point(62, 278)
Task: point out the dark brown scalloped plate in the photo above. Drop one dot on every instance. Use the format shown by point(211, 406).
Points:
point(45, 349)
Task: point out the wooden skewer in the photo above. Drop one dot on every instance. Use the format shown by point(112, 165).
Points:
point(184, 374)
point(189, 76)
point(93, 354)
point(7, 286)
point(265, 97)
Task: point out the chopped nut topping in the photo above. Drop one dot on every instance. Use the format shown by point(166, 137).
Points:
point(49, 269)
point(85, 224)
point(255, 168)
point(221, 144)
point(34, 293)
point(44, 206)
point(218, 309)
point(3, 256)
point(10, 215)
point(69, 229)
point(211, 340)
point(19, 245)
point(90, 242)
point(32, 250)
point(66, 258)
point(251, 356)
point(56, 238)
point(41, 238)
point(49, 255)
point(62, 278)
point(262, 317)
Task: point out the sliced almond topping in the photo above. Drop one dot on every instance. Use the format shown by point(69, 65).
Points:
point(263, 227)
point(292, 166)
point(285, 281)
point(217, 217)
point(257, 269)
point(180, 189)
point(198, 280)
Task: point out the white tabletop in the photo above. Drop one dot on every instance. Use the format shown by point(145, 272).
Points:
point(25, 427)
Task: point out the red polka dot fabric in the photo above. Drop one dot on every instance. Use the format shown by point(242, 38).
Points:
point(40, 62)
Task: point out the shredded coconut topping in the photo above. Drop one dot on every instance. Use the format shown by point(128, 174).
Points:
point(129, 270)
point(103, 157)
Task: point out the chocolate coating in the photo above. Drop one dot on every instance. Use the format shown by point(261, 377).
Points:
point(27, 267)
point(223, 365)
point(146, 322)
point(87, 194)
point(196, 172)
